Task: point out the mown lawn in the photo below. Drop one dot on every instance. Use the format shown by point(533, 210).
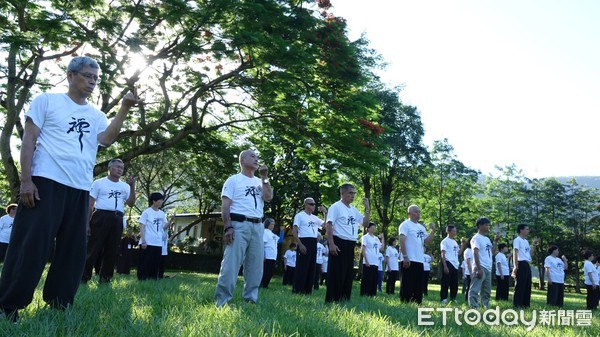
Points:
point(182, 306)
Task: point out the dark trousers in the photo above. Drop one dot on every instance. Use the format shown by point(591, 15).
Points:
point(106, 231)
point(317, 276)
point(426, 281)
point(304, 275)
point(368, 282)
point(149, 263)
point(268, 267)
point(411, 287)
point(449, 282)
point(522, 295)
point(3, 248)
point(466, 285)
point(591, 298)
point(502, 288)
point(390, 283)
point(340, 271)
point(57, 220)
point(288, 275)
point(556, 294)
point(161, 265)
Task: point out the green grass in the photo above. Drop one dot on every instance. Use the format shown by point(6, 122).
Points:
point(182, 306)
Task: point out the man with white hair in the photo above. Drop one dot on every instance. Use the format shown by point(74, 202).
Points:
point(243, 198)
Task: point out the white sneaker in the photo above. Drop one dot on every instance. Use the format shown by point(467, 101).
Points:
point(445, 301)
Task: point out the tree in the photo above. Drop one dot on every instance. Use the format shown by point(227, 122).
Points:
point(203, 68)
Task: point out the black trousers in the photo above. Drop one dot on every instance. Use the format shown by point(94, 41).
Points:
point(106, 231)
point(411, 287)
point(340, 271)
point(449, 282)
point(466, 285)
point(304, 275)
point(502, 288)
point(57, 221)
point(3, 248)
point(426, 281)
point(522, 295)
point(268, 267)
point(368, 283)
point(591, 298)
point(390, 283)
point(317, 275)
point(161, 265)
point(288, 275)
point(556, 294)
point(149, 263)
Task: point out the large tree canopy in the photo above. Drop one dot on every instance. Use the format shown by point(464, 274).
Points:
point(203, 67)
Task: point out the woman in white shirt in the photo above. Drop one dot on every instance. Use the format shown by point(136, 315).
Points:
point(555, 274)
point(270, 241)
point(391, 262)
point(6, 223)
point(369, 248)
point(589, 278)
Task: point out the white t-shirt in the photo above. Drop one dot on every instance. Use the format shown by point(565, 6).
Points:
point(426, 262)
point(484, 245)
point(380, 259)
point(308, 225)
point(346, 221)
point(110, 195)
point(270, 240)
point(451, 248)
point(501, 258)
point(415, 237)
point(588, 267)
point(468, 259)
point(372, 246)
point(290, 258)
point(524, 250)
point(6, 223)
point(557, 268)
point(392, 255)
point(320, 250)
point(154, 223)
point(246, 195)
point(68, 141)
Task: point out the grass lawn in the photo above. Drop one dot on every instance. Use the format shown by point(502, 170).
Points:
point(182, 306)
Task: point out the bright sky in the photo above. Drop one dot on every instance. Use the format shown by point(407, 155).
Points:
point(511, 81)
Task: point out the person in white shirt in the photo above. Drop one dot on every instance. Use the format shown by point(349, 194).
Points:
point(242, 210)
point(343, 223)
point(449, 251)
point(589, 279)
point(325, 264)
point(289, 265)
point(481, 277)
point(380, 258)
point(426, 272)
point(369, 248)
point(502, 273)
point(270, 241)
point(153, 222)
point(319, 260)
point(468, 267)
point(306, 230)
point(108, 198)
point(555, 274)
point(413, 237)
point(61, 136)
point(6, 223)
point(391, 265)
point(522, 254)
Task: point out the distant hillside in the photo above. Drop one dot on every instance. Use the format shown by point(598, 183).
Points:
point(590, 181)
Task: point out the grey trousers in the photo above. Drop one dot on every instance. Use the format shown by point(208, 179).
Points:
point(247, 249)
point(483, 285)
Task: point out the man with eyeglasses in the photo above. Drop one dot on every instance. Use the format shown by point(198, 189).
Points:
point(60, 140)
point(306, 230)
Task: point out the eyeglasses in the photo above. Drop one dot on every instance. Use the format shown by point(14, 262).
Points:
point(312, 204)
point(89, 76)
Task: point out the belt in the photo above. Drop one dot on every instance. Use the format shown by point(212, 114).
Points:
point(242, 218)
point(117, 213)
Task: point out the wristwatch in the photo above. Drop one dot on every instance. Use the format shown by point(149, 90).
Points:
point(265, 181)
